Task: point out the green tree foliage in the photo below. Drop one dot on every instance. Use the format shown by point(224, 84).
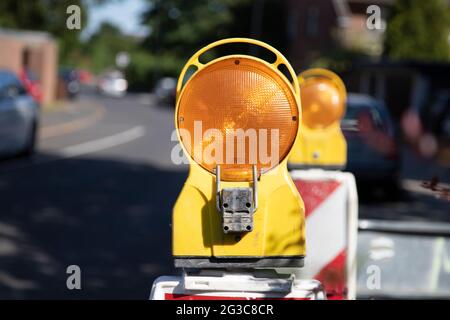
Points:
point(418, 30)
point(44, 15)
point(178, 28)
point(99, 52)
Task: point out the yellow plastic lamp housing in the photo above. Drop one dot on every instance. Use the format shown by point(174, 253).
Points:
point(223, 96)
point(231, 94)
point(322, 144)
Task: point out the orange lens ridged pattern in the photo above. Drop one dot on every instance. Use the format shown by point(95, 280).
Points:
point(322, 102)
point(238, 93)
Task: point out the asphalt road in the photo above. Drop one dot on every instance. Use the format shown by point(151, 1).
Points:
point(99, 194)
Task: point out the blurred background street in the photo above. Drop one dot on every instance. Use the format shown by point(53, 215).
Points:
point(86, 118)
point(98, 196)
point(99, 193)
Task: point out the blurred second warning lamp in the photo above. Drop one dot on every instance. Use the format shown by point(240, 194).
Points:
point(240, 211)
point(321, 144)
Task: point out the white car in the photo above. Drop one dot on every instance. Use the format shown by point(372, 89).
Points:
point(112, 84)
point(18, 117)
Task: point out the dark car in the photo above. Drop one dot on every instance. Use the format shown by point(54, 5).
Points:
point(372, 147)
point(437, 116)
point(165, 90)
point(71, 81)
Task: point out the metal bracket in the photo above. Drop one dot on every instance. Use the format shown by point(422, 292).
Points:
point(237, 205)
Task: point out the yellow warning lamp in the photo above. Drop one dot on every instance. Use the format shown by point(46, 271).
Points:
point(237, 209)
point(322, 143)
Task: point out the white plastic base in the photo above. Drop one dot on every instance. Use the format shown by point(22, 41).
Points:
point(235, 287)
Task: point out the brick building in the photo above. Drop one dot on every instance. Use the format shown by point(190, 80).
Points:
point(36, 50)
point(319, 26)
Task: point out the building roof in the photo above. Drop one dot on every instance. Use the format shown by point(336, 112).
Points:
point(27, 35)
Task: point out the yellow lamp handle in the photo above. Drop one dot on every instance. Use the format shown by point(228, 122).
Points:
point(194, 60)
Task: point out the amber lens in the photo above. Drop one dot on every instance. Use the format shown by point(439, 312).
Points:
point(232, 96)
point(322, 102)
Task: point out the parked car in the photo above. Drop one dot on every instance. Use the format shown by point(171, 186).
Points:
point(165, 90)
point(85, 77)
point(71, 82)
point(18, 116)
point(112, 83)
point(437, 116)
point(372, 149)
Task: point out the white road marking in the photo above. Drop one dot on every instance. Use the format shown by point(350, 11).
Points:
point(84, 148)
point(103, 143)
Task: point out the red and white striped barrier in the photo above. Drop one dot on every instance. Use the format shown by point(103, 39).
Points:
point(331, 209)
